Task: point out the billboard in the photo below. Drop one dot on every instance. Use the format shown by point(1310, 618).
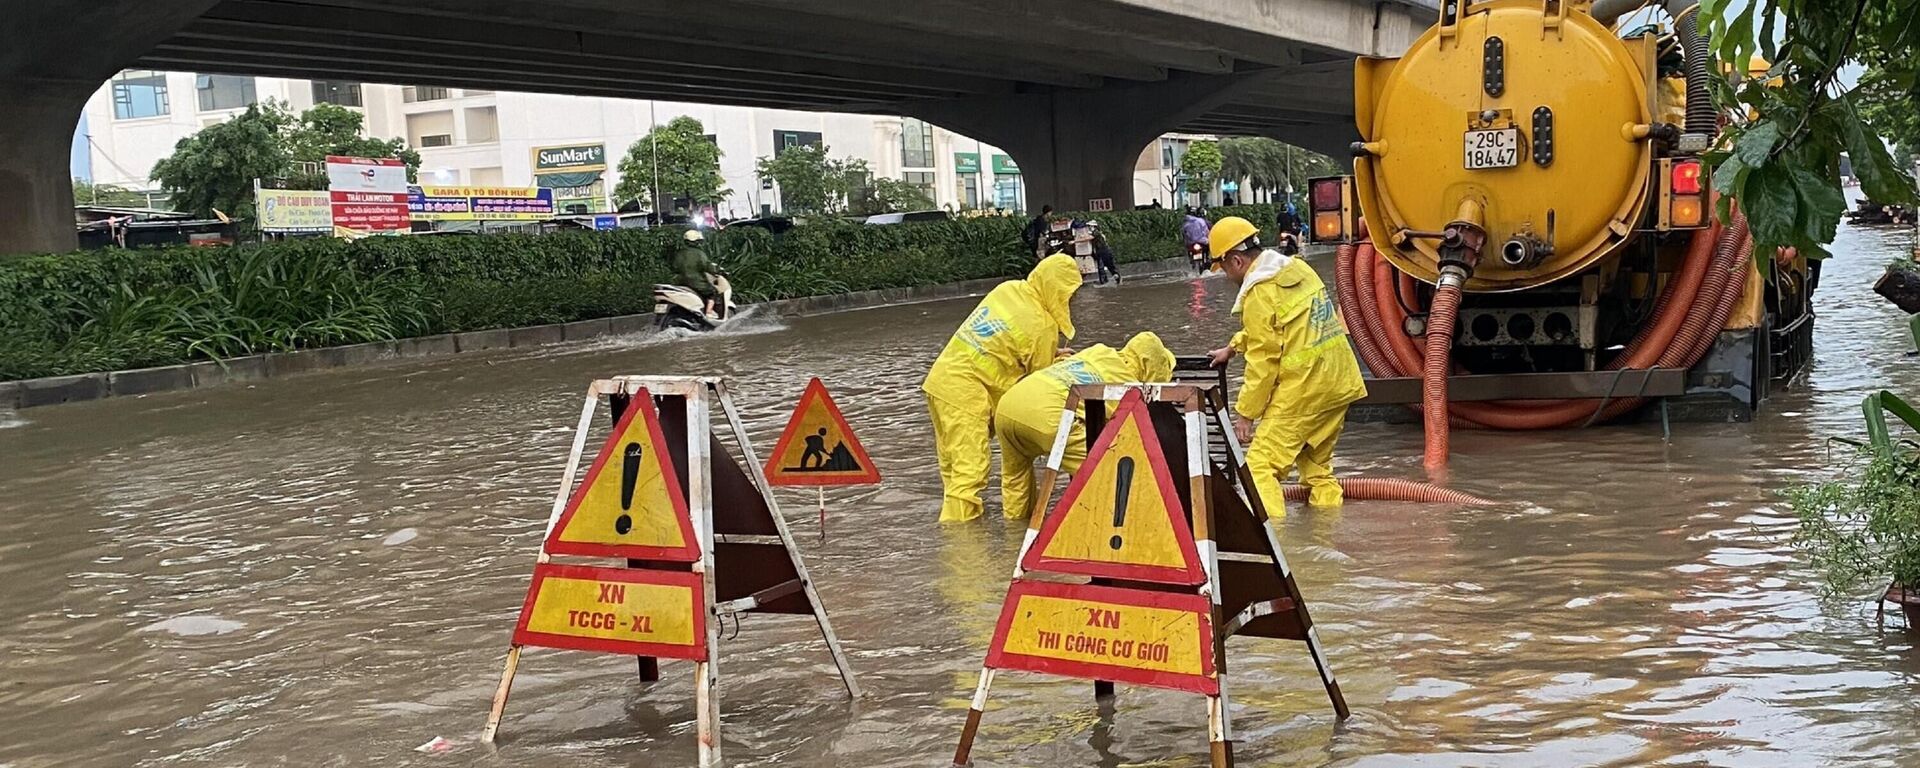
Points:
point(577, 158)
point(480, 203)
point(290, 211)
point(368, 194)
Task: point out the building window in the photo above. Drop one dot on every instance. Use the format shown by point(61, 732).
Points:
point(970, 190)
point(336, 92)
point(436, 140)
point(413, 93)
point(219, 92)
point(782, 140)
point(923, 180)
point(916, 143)
point(139, 93)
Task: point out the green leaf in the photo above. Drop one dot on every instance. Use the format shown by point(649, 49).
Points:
point(1821, 205)
point(1756, 143)
point(1880, 179)
point(1772, 205)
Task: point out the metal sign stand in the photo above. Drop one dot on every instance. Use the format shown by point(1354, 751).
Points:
point(1229, 521)
point(764, 572)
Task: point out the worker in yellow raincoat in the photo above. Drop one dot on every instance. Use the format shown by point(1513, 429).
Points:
point(1301, 372)
point(1028, 418)
point(1014, 331)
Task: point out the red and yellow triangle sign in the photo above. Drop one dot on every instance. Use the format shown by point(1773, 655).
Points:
point(817, 447)
point(1121, 517)
point(630, 504)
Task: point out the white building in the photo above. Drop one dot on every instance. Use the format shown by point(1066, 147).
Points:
point(471, 137)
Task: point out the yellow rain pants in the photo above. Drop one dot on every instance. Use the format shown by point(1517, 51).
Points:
point(1014, 331)
point(1301, 376)
point(1028, 418)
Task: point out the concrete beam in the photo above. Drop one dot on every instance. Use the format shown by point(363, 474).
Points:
point(268, 67)
point(427, 67)
point(355, 28)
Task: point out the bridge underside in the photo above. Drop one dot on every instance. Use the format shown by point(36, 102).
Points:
point(1105, 76)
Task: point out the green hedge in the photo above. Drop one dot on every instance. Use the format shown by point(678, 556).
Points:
point(116, 309)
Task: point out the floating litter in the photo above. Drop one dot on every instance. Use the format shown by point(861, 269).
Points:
point(436, 746)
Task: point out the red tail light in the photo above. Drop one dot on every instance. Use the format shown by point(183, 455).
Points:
point(1326, 194)
point(1686, 177)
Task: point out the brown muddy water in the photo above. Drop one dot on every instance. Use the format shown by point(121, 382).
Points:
point(324, 570)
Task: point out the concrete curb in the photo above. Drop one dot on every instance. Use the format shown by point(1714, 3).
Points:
point(55, 390)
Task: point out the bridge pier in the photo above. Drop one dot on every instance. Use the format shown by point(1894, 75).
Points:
point(36, 191)
point(1074, 145)
point(52, 57)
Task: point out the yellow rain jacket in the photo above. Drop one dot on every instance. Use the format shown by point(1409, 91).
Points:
point(1014, 331)
point(1301, 376)
point(1028, 418)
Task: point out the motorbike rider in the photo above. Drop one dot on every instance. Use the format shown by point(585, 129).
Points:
point(1193, 231)
point(694, 270)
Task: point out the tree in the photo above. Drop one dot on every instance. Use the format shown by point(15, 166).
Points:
point(331, 129)
point(88, 193)
point(215, 168)
point(1892, 107)
point(889, 196)
point(1201, 165)
point(689, 166)
point(810, 181)
point(1780, 157)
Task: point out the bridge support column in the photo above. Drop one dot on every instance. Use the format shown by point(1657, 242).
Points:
point(1076, 145)
point(36, 191)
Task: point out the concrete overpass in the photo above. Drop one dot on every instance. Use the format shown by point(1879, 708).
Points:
point(1071, 88)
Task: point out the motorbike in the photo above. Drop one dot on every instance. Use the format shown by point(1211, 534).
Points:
point(1197, 253)
point(676, 306)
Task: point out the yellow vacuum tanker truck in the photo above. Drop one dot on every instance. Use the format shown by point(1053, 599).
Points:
point(1529, 237)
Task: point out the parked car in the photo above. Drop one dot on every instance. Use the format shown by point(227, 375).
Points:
point(909, 216)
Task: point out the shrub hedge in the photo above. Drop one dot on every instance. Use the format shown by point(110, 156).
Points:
point(116, 309)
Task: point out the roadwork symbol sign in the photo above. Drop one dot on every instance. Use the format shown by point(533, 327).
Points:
point(630, 504)
point(817, 447)
point(1158, 639)
point(615, 610)
point(1121, 517)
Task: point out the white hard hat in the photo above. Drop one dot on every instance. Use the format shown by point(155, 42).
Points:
point(694, 236)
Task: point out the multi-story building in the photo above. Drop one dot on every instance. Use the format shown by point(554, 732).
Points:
point(572, 143)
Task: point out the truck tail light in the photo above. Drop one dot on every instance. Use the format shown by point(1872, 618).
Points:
point(1683, 194)
point(1330, 201)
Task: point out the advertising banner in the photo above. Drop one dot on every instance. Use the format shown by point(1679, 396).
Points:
point(570, 159)
point(371, 211)
point(290, 211)
point(368, 194)
point(480, 203)
point(365, 174)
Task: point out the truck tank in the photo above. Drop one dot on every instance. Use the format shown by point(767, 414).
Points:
point(1529, 238)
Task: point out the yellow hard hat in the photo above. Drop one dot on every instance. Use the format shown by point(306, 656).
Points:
point(1228, 233)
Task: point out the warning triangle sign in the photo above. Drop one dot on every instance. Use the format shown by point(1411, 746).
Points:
point(630, 504)
point(1121, 517)
point(817, 447)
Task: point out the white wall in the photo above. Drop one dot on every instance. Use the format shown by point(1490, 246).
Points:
point(124, 151)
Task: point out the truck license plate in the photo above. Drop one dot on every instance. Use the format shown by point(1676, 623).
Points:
point(1498, 148)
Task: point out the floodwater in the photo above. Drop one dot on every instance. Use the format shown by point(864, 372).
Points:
point(324, 570)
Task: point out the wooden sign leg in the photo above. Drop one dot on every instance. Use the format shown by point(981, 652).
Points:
point(553, 518)
point(500, 695)
point(706, 685)
point(963, 755)
point(1199, 477)
point(786, 538)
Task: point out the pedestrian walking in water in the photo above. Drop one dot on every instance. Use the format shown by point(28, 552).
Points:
point(1036, 229)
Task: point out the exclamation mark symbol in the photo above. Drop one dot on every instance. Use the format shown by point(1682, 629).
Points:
point(1122, 487)
point(629, 477)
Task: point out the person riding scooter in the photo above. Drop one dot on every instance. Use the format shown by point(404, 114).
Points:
point(693, 270)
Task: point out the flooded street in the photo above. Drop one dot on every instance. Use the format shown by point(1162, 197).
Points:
point(325, 570)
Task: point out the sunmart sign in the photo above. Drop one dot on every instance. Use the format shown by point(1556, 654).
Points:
point(579, 157)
